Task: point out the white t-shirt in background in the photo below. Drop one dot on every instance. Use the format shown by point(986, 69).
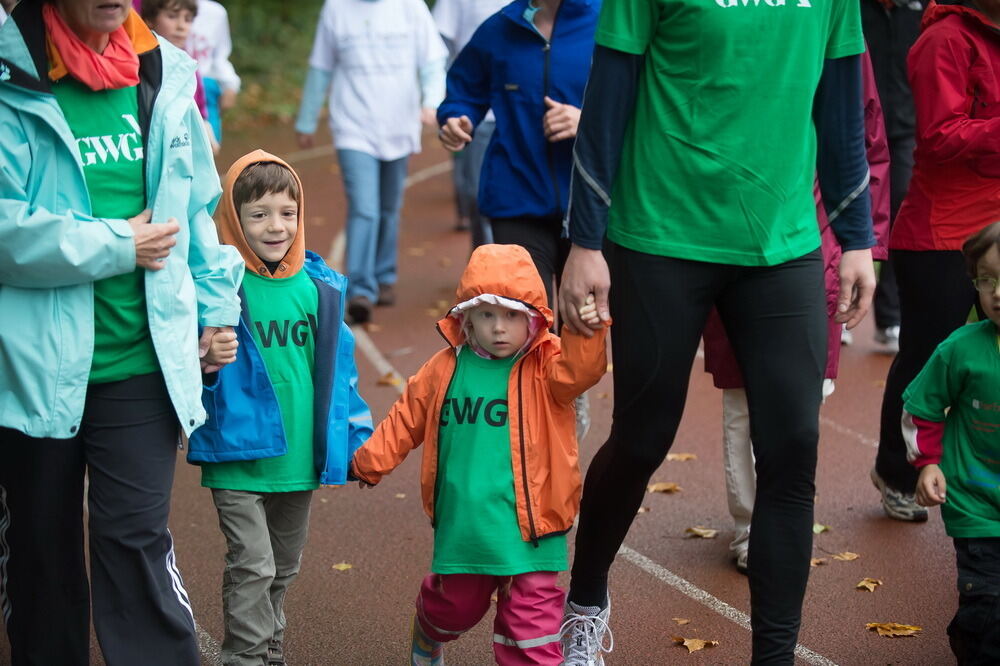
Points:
point(375, 51)
point(211, 45)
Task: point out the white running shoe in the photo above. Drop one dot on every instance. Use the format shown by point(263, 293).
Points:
point(583, 631)
point(846, 337)
point(889, 339)
point(581, 406)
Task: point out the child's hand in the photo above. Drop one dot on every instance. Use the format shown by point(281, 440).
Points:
point(931, 486)
point(455, 133)
point(361, 483)
point(588, 313)
point(221, 350)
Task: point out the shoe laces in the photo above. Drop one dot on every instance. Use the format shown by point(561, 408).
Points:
point(587, 636)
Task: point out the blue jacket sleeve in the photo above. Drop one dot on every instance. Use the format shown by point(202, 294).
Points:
point(842, 162)
point(608, 102)
point(468, 84)
point(360, 426)
point(313, 96)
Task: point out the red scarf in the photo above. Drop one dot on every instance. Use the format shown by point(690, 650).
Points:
point(117, 67)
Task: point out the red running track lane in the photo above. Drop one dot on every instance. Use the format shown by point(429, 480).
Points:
point(362, 615)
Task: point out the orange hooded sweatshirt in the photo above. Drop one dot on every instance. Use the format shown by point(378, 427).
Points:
point(227, 219)
point(543, 384)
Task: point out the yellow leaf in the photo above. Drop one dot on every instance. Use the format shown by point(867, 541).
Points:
point(846, 556)
point(643, 509)
point(444, 262)
point(693, 644)
point(611, 367)
point(372, 327)
point(442, 305)
point(603, 396)
point(892, 629)
point(880, 383)
point(416, 251)
point(681, 620)
point(323, 500)
point(819, 529)
point(389, 379)
point(400, 495)
point(666, 487)
point(868, 584)
point(817, 561)
point(342, 566)
point(699, 532)
point(681, 457)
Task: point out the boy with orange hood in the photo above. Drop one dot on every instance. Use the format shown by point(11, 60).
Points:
point(283, 418)
point(500, 475)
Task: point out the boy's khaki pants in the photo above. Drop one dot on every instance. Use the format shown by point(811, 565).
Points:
point(265, 534)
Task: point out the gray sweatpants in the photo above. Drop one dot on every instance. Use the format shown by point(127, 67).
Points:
point(265, 534)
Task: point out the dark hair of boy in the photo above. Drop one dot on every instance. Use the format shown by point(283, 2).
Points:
point(978, 244)
point(263, 178)
point(152, 8)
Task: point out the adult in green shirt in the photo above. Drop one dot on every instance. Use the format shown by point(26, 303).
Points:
point(693, 172)
point(110, 271)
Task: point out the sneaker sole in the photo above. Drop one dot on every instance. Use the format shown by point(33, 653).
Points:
point(918, 517)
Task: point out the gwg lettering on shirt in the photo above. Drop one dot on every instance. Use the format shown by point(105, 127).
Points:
point(758, 3)
point(125, 146)
point(282, 331)
point(467, 411)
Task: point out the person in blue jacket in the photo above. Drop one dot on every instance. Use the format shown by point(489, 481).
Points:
point(109, 264)
point(286, 416)
point(529, 63)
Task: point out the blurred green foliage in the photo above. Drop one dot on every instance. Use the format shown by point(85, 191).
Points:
point(271, 44)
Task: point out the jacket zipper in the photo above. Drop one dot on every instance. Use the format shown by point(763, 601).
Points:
point(549, 158)
point(524, 465)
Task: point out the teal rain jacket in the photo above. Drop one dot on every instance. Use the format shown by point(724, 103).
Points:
point(52, 250)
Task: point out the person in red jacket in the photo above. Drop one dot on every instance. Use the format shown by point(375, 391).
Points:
point(954, 72)
point(720, 360)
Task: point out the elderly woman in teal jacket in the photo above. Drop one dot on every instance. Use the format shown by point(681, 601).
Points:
point(109, 264)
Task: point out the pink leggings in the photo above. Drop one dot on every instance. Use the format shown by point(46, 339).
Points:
point(529, 613)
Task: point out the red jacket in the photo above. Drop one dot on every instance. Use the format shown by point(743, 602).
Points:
point(719, 357)
point(955, 75)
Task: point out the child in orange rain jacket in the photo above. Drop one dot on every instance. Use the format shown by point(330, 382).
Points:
point(500, 476)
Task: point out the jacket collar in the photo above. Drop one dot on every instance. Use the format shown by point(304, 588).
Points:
point(938, 9)
point(568, 10)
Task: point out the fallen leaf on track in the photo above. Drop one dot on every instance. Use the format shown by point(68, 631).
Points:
point(893, 629)
point(819, 529)
point(681, 457)
point(444, 262)
point(371, 327)
point(868, 584)
point(342, 566)
point(681, 620)
point(400, 495)
point(699, 532)
point(611, 367)
point(389, 379)
point(817, 561)
point(665, 487)
point(416, 251)
point(643, 509)
point(603, 396)
point(693, 644)
point(846, 556)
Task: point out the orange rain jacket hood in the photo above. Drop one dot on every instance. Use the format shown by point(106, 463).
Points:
point(542, 386)
point(227, 219)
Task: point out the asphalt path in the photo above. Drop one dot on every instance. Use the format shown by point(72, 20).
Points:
point(361, 615)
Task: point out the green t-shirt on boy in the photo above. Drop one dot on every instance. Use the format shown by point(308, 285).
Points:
point(283, 320)
point(476, 530)
point(106, 127)
point(719, 157)
point(962, 379)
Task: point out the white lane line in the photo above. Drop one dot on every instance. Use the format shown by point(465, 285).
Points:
point(335, 258)
point(211, 653)
point(706, 599)
point(844, 430)
point(309, 154)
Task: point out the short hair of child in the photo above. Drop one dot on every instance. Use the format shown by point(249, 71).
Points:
point(978, 244)
point(152, 8)
point(262, 178)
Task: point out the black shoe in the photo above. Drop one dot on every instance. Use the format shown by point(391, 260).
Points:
point(386, 295)
point(359, 309)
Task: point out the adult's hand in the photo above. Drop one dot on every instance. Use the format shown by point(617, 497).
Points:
point(305, 140)
point(152, 241)
point(857, 286)
point(455, 133)
point(560, 120)
point(586, 273)
point(428, 117)
point(205, 343)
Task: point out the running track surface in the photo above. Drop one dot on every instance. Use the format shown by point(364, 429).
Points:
point(362, 615)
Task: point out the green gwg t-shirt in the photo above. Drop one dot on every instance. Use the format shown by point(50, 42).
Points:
point(962, 378)
point(719, 157)
point(283, 323)
point(105, 124)
point(476, 528)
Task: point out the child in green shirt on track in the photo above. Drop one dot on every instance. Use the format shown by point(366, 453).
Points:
point(951, 422)
point(283, 418)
